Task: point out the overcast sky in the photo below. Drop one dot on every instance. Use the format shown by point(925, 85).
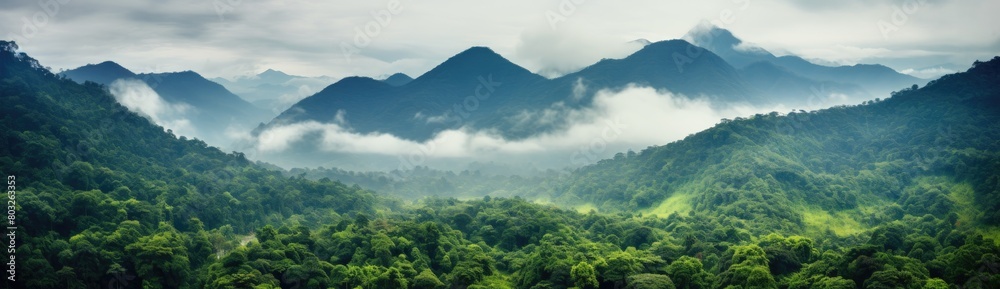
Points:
point(238, 37)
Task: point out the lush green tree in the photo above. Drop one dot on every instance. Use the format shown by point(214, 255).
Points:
point(427, 280)
point(688, 273)
point(584, 276)
point(748, 270)
point(161, 258)
point(649, 281)
point(620, 265)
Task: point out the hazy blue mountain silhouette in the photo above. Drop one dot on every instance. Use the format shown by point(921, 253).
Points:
point(875, 79)
point(398, 79)
point(216, 109)
point(446, 96)
point(274, 90)
point(102, 73)
point(426, 105)
point(783, 86)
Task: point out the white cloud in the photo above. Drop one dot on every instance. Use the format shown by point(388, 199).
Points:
point(579, 89)
point(632, 118)
point(303, 37)
point(843, 54)
point(139, 97)
point(553, 53)
point(928, 73)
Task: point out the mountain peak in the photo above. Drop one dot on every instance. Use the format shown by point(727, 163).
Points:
point(707, 34)
point(476, 54)
point(398, 79)
point(103, 73)
point(723, 43)
point(272, 73)
point(665, 47)
point(188, 74)
point(641, 41)
point(274, 76)
point(479, 51)
point(352, 83)
point(108, 64)
point(474, 61)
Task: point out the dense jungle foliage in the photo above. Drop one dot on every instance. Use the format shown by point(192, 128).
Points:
point(897, 193)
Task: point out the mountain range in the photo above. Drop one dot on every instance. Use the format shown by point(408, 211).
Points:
point(874, 79)
point(215, 110)
point(274, 90)
point(480, 90)
point(896, 193)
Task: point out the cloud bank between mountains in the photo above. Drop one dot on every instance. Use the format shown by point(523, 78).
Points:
point(629, 119)
point(632, 118)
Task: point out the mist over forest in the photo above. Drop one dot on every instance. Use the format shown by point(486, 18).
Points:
point(545, 144)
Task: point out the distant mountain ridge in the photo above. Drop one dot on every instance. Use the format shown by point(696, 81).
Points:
point(478, 90)
point(423, 106)
point(440, 98)
point(274, 90)
point(216, 110)
point(398, 79)
point(667, 65)
point(874, 79)
point(101, 73)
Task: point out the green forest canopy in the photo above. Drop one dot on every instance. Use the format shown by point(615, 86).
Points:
point(107, 198)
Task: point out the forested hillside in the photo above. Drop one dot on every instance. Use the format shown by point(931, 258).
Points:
point(781, 169)
point(102, 190)
point(106, 199)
